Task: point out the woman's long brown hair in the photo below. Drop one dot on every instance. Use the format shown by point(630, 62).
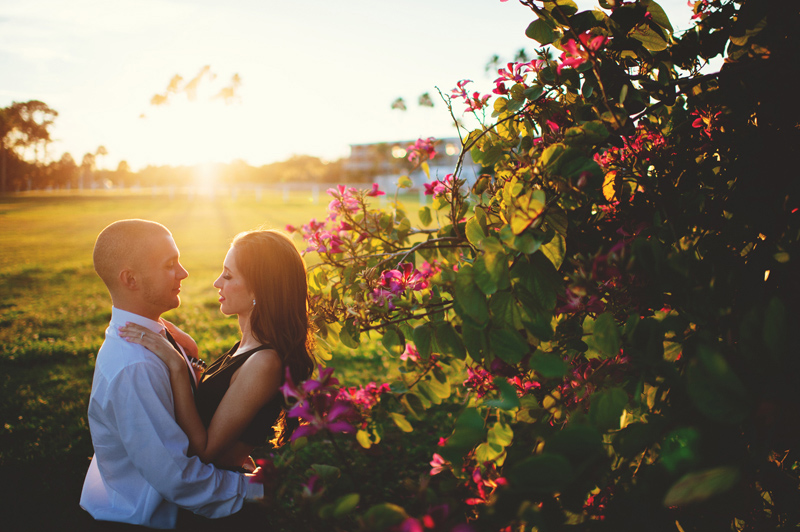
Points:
point(275, 272)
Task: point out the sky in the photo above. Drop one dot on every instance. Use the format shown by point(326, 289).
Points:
point(315, 75)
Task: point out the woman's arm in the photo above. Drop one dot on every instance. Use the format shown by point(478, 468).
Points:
point(252, 386)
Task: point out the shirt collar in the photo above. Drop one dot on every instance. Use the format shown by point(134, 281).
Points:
point(119, 317)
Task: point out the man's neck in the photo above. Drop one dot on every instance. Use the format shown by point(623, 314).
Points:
point(139, 310)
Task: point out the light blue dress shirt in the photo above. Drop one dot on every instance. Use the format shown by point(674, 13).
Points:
point(140, 473)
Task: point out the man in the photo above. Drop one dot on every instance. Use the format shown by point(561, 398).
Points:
point(140, 473)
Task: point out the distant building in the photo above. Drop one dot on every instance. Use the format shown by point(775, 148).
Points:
point(385, 162)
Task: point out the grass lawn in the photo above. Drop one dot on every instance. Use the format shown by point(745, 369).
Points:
point(54, 309)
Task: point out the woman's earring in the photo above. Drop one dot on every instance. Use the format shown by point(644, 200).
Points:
point(254, 302)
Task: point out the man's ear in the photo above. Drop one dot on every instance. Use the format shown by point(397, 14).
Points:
point(128, 280)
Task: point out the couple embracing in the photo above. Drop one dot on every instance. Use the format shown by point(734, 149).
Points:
point(171, 441)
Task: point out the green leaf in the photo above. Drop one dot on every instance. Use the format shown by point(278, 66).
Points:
point(449, 341)
point(546, 473)
point(393, 341)
point(425, 392)
point(384, 515)
point(606, 335)
point(350, 334)
point(699, 486)
point(425, 216)
point(508, 396)
point(474, 232)
point(680, 449)
point(401, 422)
point(504, 310)
point(346, 504)
point(659, 16)
point(606, 408)
point(439, 384)
point(483, 279)
point(540, 31)
point(589, 133)
point(555, 250)
point(576, 167)
point(527, 208)
point(475, 341)
point(423, 339)
point(636, 437)
point(496, 261)
point(548, 365)
point(508, 345)
point(468, 432)
point(715, 389)
point(472, 301)
point(551, 154)
point(534, 92)
point(327, 473)
point(426, 168)
point(578, 443)
point(404, 182)
point(649, 38)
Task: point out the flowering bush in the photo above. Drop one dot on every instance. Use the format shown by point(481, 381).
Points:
point(607, 312)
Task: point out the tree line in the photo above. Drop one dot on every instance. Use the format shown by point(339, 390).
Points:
point(25, 163)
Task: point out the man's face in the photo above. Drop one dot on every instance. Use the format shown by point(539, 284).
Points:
point(161, 274)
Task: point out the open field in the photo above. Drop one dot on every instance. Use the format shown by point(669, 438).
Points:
point(54, 309)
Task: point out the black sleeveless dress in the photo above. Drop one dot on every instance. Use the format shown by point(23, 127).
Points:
point(215, 382)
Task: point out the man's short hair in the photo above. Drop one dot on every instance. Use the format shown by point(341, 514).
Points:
point(123, 244)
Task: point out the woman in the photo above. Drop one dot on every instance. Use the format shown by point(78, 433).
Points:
point(237, 402)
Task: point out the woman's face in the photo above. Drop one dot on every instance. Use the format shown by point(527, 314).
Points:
point(234, 296)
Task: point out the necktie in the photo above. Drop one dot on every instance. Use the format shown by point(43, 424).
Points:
point(188, 368)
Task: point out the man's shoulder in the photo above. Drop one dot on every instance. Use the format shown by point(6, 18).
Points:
point(116, 356)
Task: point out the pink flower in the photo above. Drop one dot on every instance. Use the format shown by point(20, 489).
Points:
point(422, 149)
point(309, 487)
point(290, 228)
point(383, 298)
point(438, 464)
point(375, 192)
point(435, 188)
point(479, 380)
point(706, 120)
point(364, 397)
point(573, 56)
point(475, 102)
point(410, 353)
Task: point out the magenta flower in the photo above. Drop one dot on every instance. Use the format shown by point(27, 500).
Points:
point(343, 200)
point(434, 188)
point(364, 397)
point(514, 73)
point(422, 150)
point(317, 405)
point(375, 192)
point(383, 298)
point(475, 102)
point(309, 488)
point(461, 91)
point(406, 277)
